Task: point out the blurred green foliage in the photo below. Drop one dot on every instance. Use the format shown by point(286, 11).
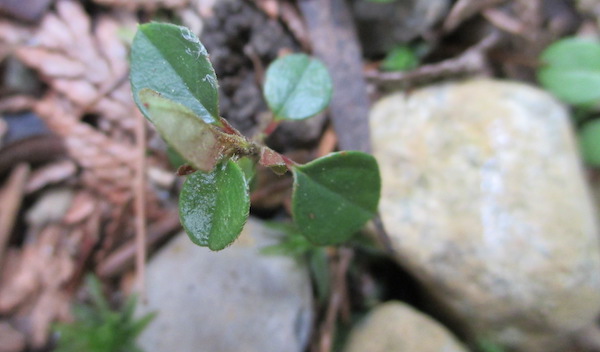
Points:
point(570, 69)
point(98, 328)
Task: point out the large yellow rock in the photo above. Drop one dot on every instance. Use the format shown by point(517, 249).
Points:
point(397, 327)
point(484, 199)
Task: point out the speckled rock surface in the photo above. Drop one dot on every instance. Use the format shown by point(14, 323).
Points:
point(397, 327)
point(228, 301)
point(484, 200)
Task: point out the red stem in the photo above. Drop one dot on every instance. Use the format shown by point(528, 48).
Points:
point(271, 127)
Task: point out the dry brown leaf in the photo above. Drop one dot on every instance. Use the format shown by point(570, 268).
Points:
point(16, 103)
point(464, 9)
point(106, 162)
point(50, 174)
point(38, 280)
point(88, 66)
point(82, 207)
point(53, 304)
point(12, 35)
point(270, 7)
point(12, 339)
point(150, 5)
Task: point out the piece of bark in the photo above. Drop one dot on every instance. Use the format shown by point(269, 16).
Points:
point(334, 41)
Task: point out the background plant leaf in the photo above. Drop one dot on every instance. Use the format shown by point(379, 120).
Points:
point(589, 140)
point(213, 207)
point(400, 58)
point(335, 196)
point(297, 87)
point(171, 60)
point(196, 141)
point(571, 70)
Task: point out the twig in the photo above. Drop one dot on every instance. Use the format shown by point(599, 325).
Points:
point(121, 259)
point(504, 21)
point(17, 103)
point(259, 69)
point(140, 201)
point(464, 9)
point(50, 174)
point(382, 235)
point(334, 40)
point(33, 150)
point(327, 143)
point(290, 16)
point(104, 91)
point(337, 298)
point(471, 61)
point(11, 203)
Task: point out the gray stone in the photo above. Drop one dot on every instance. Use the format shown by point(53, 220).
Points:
point(381, 26)
point(228, 301)
point(484, 201)
point(397, 327)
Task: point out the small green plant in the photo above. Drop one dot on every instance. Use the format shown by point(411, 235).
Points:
point(571, 71)
point(485, 345)
point(400, 58)
point(175, 87)
point(295, 245)
point(98, 328)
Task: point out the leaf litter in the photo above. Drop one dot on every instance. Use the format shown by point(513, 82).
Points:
point(87, 103)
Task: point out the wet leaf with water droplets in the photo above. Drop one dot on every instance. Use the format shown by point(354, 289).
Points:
point(172, 61)
point(334, 196)
point(213, 207)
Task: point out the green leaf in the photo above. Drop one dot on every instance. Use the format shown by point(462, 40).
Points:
point(571, 70)
point(171, 60)
point(334, 196)
point(319, 269)
point(401, 58)
point(589, 140)
point(248, 167)
point(195, 140)
point(174, 158)
point(213, 207)
point(297, 87)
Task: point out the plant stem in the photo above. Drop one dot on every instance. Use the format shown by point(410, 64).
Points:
point(271, 127)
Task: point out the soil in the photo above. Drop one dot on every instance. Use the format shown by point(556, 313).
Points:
point(237, 32)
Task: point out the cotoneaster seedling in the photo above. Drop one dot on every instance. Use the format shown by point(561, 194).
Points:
point(175, 87)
